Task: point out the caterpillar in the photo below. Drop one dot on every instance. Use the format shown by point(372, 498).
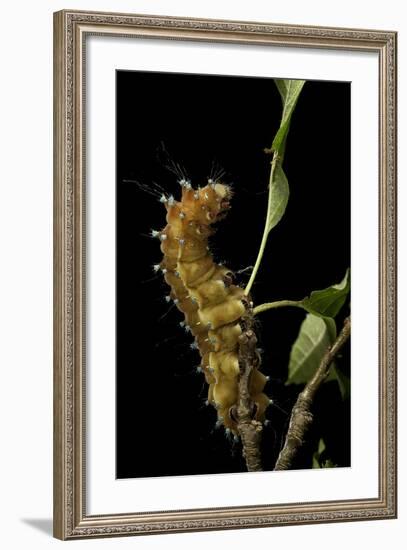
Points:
point(215, 309)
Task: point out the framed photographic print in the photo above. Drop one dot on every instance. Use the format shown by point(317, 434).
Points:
point(224, 193)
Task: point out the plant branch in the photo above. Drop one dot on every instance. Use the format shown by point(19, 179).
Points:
point(250, 430)
point(266, 227)
point(301, 415)
point(273, 305)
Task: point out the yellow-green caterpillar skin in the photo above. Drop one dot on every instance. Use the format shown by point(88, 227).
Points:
point(202, 289)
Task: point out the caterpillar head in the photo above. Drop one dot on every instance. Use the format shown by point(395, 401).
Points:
point(203, 206)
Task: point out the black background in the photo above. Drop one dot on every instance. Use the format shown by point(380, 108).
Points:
point(206, 123)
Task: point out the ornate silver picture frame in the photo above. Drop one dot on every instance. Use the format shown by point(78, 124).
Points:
point(72, 518)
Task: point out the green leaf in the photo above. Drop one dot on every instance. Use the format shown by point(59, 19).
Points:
point(321, 446)
point(278, 184)
point(289, 91)
point(282, 87)
point(316, 457)
point(329, 301)
point(278, 198)
point(343, 381)
point(315, 336)
point(315, 462)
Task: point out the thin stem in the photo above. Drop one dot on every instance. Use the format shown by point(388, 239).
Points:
point(274, 305)
point(301, 415)
point(266, 229)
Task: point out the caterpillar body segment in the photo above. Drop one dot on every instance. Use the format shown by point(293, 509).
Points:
point(215, 309)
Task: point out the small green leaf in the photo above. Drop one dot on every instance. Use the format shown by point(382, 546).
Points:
point(315, 336)
point(282, 87)
point(343, 381)
point(328, 302)
point(278, 185)
point(315, 463)
point(316, 457)
point(289, 91)
point(321, 446)
point(278, 198)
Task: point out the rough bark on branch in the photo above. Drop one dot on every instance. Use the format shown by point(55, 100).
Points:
point(250, 430)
